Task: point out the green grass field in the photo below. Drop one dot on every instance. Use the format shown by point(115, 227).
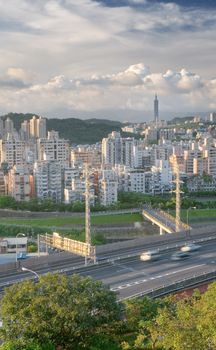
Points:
point(67, 221)
point(11, 226)
point(197, 215)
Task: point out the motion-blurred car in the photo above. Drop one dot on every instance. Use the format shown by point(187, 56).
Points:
point(150, 255)
point(180, 256)
point(190, 247)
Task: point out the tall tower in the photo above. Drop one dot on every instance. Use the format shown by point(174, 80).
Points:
point(156, 110)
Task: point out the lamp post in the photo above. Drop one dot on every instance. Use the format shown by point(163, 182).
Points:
point(188, 218)
point(28, 270)
point(188, 213)
point(18, 234)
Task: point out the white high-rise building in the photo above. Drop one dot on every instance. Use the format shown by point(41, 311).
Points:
point(108, 188)
point(133, 180)
point(212, 117)
point(9, 126)
point(37, 127)
point(111, 149)
point(210, 156)
point(25, 130)
point(2, 184)
point(12, 151)
point(41, 128)
point(54, 148)
point(48, 180)
point(33, 127)
point(69, 175)
point(161, 177)
point(1, 127)
point(118, 150)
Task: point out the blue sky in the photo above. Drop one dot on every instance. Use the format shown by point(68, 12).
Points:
point(107, 58)
point(183, 3)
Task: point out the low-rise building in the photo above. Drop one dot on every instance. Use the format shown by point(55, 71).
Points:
point(13, 245)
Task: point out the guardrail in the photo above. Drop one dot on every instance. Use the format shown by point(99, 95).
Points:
point(104, 262)
point(163, 218)
point(176, 286)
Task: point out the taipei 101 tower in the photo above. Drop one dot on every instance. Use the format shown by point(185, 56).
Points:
point(156, 110)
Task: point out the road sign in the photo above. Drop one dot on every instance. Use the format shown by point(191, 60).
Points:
point(69, 245)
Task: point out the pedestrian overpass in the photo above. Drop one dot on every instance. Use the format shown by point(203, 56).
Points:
point(165, 221)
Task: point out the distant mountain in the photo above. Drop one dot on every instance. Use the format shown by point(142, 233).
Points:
point(75, 130)
point(18, 118)
point(180, 120)
point(83, 131)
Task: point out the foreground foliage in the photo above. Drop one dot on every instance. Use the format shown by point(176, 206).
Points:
point(63, 313)
point(59, 310)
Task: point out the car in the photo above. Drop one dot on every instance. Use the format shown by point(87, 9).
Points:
point(21, 255)
point(150, 255)
point(190, 247)
point(180, 255)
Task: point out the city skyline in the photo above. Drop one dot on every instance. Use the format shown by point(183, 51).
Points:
point(106, 59)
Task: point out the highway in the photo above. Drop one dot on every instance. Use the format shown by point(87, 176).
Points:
point(128, 275)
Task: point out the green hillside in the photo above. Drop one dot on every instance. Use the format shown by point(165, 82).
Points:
point(75, 130)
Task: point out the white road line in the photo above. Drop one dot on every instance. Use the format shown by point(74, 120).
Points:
point(126, 285)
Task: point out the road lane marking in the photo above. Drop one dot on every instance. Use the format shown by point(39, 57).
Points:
point(126, 285)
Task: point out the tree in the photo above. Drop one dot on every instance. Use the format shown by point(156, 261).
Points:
point(59, 310)
point(205, 309)
point(141, 315)
point(189, 323)
point(29, 345)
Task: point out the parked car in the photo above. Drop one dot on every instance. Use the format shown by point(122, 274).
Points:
point(150, 255)
point(180, 255)
point(190, 247)
point(21, 255)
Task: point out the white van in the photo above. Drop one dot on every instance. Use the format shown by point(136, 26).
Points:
point(150, 255)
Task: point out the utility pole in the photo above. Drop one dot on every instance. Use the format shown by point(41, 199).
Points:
point(87, 214)
point(177, 191)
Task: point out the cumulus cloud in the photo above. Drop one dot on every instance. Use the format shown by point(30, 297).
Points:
point(78, 51)
point(132, 88)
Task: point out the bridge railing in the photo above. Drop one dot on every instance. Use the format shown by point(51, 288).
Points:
point(160, 214)
point(172, 219)
point(176, 286)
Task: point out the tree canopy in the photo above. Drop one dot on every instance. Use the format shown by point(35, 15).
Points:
point(61, 313)
point(58, 310)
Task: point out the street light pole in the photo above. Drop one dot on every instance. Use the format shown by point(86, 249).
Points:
point(28, 270)
point(188, 217)
point(18, 234)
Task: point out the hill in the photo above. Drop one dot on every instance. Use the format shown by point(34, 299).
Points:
point(75, 130)
point(180, 120)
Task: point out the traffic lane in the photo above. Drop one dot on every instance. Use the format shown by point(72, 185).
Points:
point(132, 270)
point(125, 266)
point(168, 249)
point(159, 266)
point(128, 274)
point(147, 284)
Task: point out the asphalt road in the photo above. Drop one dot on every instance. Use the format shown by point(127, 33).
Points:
point(129, 276)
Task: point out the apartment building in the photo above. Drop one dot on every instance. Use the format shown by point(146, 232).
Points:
point(48, 180)
point(20, 183)
point(108, 187)
point(37, 127)
point(54, 148)
point(12, 151)
point(118, 150)
point(86, 155)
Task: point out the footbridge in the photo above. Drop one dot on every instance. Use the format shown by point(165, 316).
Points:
point(165, 221)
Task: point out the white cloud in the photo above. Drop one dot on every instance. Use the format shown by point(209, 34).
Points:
point(132, 88)
point(20, 74)
point(85, 48)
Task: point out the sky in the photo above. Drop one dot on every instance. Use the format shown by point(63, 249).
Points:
point(107, 58)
